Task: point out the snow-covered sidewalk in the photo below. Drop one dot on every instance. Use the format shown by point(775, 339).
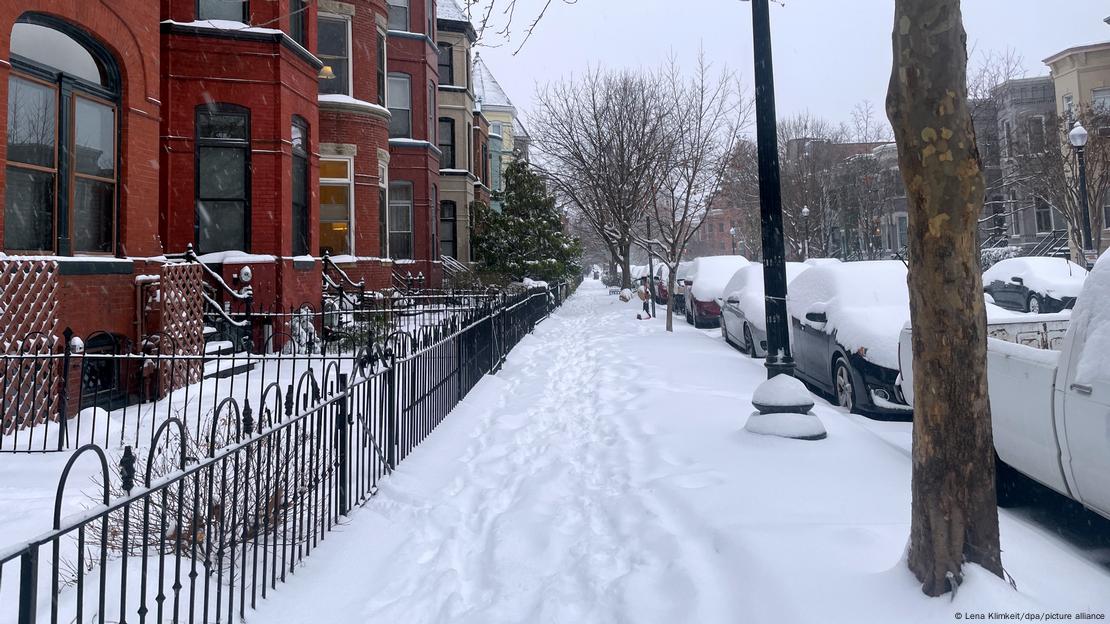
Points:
point(604, 476)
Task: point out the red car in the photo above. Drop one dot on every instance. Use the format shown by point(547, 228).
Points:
point(706, 284)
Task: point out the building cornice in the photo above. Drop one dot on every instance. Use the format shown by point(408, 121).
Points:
point(247, 33)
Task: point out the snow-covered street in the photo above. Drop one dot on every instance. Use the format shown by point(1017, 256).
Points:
point(604, 476)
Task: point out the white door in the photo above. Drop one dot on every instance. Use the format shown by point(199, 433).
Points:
point(1086, 406)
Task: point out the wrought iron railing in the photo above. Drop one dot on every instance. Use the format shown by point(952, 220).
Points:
point(198, 523)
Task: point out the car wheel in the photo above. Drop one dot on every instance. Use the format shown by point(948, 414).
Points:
point(749, 344)
point(843, 385)
point(1033, 306)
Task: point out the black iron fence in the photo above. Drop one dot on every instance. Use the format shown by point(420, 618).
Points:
point(199, 520)
point(57, 394)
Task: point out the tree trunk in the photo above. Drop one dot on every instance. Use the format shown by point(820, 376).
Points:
point(954, 512)
point(612, 260)
point(626, 275)
point(670, 297)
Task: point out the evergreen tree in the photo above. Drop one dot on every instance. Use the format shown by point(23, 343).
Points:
point(526, 238)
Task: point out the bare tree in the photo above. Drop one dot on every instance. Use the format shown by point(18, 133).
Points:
point(709, 113)
point(954, 510)
point(1047, 167)
point(867, 125)
point(605, 142)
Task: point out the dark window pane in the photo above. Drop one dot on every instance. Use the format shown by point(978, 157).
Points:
point(222, 173)
point(299, 137)
point(381, 69)
point(28, 210)
point(300, 206)
point(447, 143)
point(297, 10)
point(222, 226)
point(447, 210)
point(400, 124)
point(93, 203)
point(213, 125)
point(221, 10)
point(32, 120)
point(383, 226)
point(95, 138)
point(334, 52)
point(400, 245)
point(446, 67)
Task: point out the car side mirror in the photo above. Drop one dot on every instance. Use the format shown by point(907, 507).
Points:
point(1017, 280)
point(817, 317)
point(734, 300)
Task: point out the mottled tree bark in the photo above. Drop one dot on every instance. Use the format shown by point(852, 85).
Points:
point(955, 517)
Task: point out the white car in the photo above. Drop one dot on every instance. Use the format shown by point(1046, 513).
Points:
point(1049, 385)
point(743, 309)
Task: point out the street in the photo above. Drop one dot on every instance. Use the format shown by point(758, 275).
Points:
point(604, 476)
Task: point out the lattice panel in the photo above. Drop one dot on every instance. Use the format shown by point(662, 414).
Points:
point(183, 322)
point(29, 306)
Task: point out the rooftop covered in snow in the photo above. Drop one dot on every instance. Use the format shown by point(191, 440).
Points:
point(487, 90)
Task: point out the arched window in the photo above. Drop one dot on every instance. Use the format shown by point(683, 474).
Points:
point(223, 186)
point(62, 133)
point(299, 135)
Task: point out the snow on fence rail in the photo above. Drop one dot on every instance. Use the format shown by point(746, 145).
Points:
point(58, 394)
point(201, 523)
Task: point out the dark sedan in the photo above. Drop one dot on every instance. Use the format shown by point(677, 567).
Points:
point(1034, 284)
point(846, 320)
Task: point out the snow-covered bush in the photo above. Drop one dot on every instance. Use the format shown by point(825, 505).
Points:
point(993, 255)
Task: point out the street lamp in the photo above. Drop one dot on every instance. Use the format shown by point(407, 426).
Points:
point(779, 359)
point(732, 234)
point(805, 226)
point(1078, 139)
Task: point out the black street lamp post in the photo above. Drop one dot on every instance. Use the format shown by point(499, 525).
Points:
point(1078, 139)
point(779, 359)
point(805, 228)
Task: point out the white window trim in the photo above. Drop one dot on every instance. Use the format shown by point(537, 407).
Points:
point(408, 14)
point(350, 48)
point(350, 182)
point(408, 78)
point(383, 185)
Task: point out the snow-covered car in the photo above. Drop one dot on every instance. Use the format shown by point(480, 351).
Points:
point(662, 272)
point(743, 313)
point(846, 320)
point(1034, 284)
point(821, 261)
point(679, 287)
point(705, 285)
point(1048, 379)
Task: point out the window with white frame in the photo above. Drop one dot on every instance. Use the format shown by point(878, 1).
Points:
point(1100, 99)
point(1069, 107)
point(1015, 214)
point(400, 220)
point(399, 15)
point(336, 205)
point(334, 49)
point(399, 97)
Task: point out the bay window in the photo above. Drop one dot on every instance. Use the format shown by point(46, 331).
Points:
point(334, 49)
point(448, 245)
point(447, 143)
point(231, 10)
point(336, 191)
point(222, 178)
point(399, 96)
point(400, 220)
point(446, 66)
point(61, 179)
point(399, 15)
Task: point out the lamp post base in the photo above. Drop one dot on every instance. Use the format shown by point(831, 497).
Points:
point(784, 410)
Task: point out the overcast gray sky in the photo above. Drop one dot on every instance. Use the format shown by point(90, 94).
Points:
point(829, 54)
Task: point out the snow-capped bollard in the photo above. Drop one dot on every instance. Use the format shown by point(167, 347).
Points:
point(784, 405)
